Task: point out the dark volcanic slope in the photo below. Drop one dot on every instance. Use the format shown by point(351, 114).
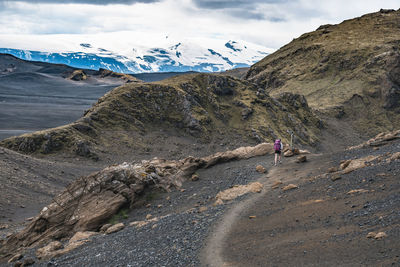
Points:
point(36, 95)
point(350, 70)
point(27, 184)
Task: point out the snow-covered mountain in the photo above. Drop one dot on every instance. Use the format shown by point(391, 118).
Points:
point(117, 52)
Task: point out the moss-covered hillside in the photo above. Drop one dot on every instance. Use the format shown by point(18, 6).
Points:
point(350, 70)
point(212, 110)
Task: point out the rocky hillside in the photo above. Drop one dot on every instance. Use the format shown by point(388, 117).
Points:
point(350, 70)
point(176, 117)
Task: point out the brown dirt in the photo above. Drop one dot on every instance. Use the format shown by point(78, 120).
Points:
point(214, 251)
point(317, 224)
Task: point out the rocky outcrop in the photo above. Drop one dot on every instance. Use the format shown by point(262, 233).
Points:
point(78, 75)
point(379, 140)
point(89, 202)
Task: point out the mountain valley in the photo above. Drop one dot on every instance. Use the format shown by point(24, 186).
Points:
point(180, 171)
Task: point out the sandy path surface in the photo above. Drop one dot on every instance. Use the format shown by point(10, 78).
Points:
point(212, 254)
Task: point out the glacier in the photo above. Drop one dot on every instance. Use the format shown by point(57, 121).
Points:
point(168, 56)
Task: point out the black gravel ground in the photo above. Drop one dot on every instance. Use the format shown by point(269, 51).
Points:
point(177, 238)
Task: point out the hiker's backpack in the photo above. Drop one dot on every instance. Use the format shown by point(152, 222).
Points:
point(277, 145)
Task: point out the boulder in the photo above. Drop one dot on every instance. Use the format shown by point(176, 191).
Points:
point(115, 228)
point(301, 159)
point(105, 227)
point(195, 177)
point(336, 177)
point(288, 153)
point(276, 184)
point(371, 235)
point(289, 187)
point(78, 75)
point(380, 235)
point(46, 252)
point(260, 169)
point(395, 156)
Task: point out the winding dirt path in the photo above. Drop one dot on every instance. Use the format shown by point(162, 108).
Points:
point(325, 222)
point(212, 254)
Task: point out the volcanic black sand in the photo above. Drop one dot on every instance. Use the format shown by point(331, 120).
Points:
point(34, 96)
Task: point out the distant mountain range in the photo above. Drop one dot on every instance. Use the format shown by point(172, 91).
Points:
point(162, 56)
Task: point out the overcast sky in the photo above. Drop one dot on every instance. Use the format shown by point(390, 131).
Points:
point(271, 23)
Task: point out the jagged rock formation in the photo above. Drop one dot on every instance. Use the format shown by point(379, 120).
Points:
point(379, 140)
point(78, 75)
point(87, 203)
point(202, 107)
point(350, 70)
point(81, 75)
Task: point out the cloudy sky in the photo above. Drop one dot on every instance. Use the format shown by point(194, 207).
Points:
point(270, 23)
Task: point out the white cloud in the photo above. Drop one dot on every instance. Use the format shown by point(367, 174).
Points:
point(271, 23)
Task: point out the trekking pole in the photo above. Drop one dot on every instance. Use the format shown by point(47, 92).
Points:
point(291, 139)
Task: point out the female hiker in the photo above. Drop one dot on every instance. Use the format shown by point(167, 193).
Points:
point(278, 146)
